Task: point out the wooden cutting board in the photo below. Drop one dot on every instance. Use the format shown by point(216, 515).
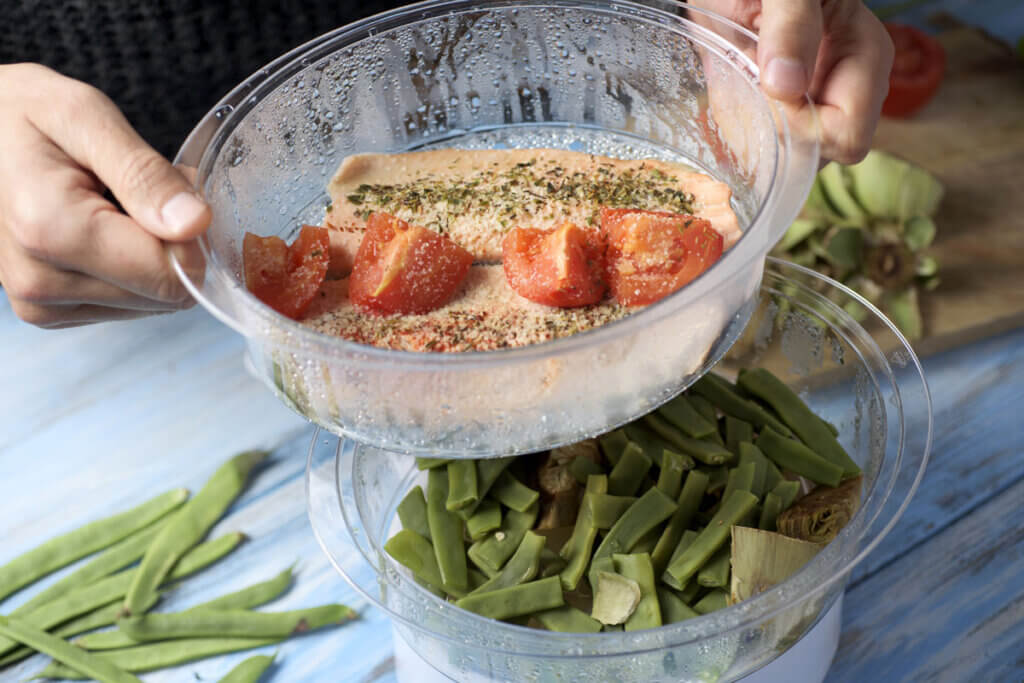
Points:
point(972, 137)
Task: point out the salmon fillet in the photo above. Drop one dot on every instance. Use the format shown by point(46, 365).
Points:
point(476, 196)
point(486, 314)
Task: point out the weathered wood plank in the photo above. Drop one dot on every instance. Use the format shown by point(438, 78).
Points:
point(951, 610)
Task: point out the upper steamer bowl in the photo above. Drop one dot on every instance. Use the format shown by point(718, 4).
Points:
point(585, 75)
point(864, 378)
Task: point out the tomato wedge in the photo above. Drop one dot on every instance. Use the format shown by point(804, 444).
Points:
point(561, 267)
point(653, 253)
point(402, 268)
point(916, 72)
point(286, 278)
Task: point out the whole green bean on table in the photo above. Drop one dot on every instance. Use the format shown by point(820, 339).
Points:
point(653, 506)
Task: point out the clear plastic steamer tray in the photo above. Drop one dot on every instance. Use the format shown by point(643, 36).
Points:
point(619, 78)
point(864, 378)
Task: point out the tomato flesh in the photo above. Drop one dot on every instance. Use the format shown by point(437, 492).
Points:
point(561, 267)
point(653, 253)
point(917, 70)
point(402, 268)
point(284, 277)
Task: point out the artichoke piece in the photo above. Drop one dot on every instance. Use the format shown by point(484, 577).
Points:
point(919, 232)
point(762, 559)
point(903, 308)
point(615, 599)
point(820, 515)
point(846, 248)
point(835, 183)
point(799, 230)
point(889, 187)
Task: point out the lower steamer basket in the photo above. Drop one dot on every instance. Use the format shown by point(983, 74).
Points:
point(869, 384)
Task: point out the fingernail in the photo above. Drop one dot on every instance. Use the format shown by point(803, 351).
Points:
point(181, 212)
point(786, 76)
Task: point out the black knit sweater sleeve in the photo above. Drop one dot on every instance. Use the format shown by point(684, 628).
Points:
point(165, 62)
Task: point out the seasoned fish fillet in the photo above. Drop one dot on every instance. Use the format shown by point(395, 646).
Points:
point(476, 196)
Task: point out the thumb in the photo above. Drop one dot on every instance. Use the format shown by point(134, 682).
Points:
point(788, 46)
point(88, 127)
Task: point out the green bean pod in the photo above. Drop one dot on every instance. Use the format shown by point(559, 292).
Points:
point(606, 509)
point(647, 439)
point(723, 395)
point(486, 519)
point(715, 574)
point(67, 548)
point(706, 452)
point(715, 600)
point(576, 551)
point(446, 532)
point(685, 541)
point(794, 412)
point(417, 555)
point(673, 609)
point(197, 516)
point(567, 619)
point(249, 670)
point(412, 512)
point(650, 510)
point(681, 413)
point(741, 478)
point(736, 432)
point(787, 491)
point(638, 567)
point(792, 455)
point(234, 623)
point(714, 535)
point(704, 408)
point(431, 463)
point(462, 484)
point(520, 568)
point(687, 503)
point(670, 478)
point(491, 552)
point(515, 601)
point(769, 512)
point(612, 444)
point(487, 472)
point(512, 493)
point(80, 661)
point(628, 474)
point(582, 467)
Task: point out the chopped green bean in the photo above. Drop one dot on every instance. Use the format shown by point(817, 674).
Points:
point(770, 511)
point(650, 510)
point(551, 563)
point(707, 452)
point(85, 540)
point(513, 494)
point(704, 408)
point(673, 609)
point(647, 542)
point(412, 511)
point(576, 551)
point(486, 519)
point(741, 478)
point(520, 568)
point(233, 623)
point(462, 484)
point(715, 574)
point(715, 600)
point(612, 444)
point(514, 601)
point(417, 554)
point(430, 463)
point(605, 509)
point(787, 491)
point(567, 619)
point(736, 431)
point(582, 467)
point(249, 670)
point(714, 535)
point(690, 591)
point(718, 477)
point(831, 427)
point(98, 594)
point(685, 541)
point(790, 454)
point(647, 439)
point(491, 552)
point(627, 476)
point(62, 651)
point(446, 533)
point(687, 503)
point(681, 413)
point(189, 526)
point(487, 472)
point(670, 437)
point(724, 396)
point(638, 568)
point(798, 417)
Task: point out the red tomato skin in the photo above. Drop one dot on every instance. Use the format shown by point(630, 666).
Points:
point(286, 278)
point(654, 253)
point(917, 70)
point(402, 268)
point(562, 267)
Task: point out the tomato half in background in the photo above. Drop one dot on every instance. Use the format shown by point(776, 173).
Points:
point(917, 70)
point(653, 253)
point(402, 268)
point(561, 267)
point(284, 277)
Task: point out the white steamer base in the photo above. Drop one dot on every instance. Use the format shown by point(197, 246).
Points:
point(807, 661)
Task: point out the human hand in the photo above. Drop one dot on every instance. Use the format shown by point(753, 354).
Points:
point(836, 51)
point(68, 256)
